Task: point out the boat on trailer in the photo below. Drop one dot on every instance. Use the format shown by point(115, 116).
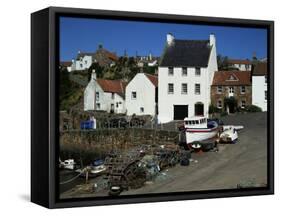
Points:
point(198, 128)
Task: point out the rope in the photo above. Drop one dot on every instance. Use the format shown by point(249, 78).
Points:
point(72, 179)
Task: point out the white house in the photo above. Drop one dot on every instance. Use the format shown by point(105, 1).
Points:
point(259, 85)
point(83, 61)
point(102, 56)
point(141, 95)
point(185, 76)
point(106, 95)
point(240, 64)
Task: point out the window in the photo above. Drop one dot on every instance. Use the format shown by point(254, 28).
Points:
point(81, 65)
point(170, 88)
point(197, 71)
point(97, 96)
point(141, 109)
point(184, 88)
point(197, 88)
point(231, 90)
point(219, 104)
point(112, 96)
point(98, 106)
point(219, 89)
point(243, 89)
point(134, 95)
point(86, 61)
point(170, 71)
point(117, 105)
point(243, 104)
point(184, 71)
point(265, 95)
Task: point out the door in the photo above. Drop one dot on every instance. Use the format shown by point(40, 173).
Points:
point(180, 112)
point(199, 109)
point(111, 108)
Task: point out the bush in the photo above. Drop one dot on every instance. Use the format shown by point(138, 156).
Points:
point(253, 108)
point(214, 109)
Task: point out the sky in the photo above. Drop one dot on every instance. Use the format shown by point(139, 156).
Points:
point(85, 34)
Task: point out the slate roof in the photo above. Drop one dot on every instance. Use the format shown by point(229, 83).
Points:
point(232, 78)
point(189, 53)
point(260, 69)
point(115, 86)
point(153, 79)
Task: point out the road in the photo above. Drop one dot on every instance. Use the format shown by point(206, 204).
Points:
point(234, 164)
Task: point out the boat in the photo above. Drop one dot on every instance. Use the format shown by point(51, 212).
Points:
point(95, 169)
point(198, 129)
point(229, 135)
point(68, 164)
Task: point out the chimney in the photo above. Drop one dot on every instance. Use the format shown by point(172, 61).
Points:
point(94, 75)
point(170, 39)
point(212, 39)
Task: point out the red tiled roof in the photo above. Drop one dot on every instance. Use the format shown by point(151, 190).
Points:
point(232, 78)
point(260, 69)
point(111, 56)
point(153, 79)
point(116, 86)
point(239, 61)
point(66, 63)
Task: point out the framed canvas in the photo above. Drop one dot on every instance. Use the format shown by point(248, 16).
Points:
point(138, 107)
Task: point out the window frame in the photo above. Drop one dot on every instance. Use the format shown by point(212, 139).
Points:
point(171, 84)
point(170, 71)
point(196, 71)
point(195, 92)
point(182, 92)
point(132, 95)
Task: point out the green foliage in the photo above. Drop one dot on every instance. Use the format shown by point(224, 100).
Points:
point(213, 109)
point(98, 69)
point(253, 108)
point(70, 93)
point(222, 62)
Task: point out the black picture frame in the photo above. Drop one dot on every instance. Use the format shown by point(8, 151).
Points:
point(44, 106)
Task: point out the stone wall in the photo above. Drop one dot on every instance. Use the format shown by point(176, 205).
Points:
point(98, 143)
point(247, 96)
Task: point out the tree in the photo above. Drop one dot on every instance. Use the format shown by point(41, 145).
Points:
point(98, 69)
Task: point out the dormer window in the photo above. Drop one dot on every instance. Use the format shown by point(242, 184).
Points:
point(170, 71)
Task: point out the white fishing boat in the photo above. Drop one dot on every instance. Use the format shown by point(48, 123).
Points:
point(199, 128)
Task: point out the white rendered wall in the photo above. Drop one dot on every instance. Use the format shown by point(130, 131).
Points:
point(167, 101)
point(84, 63)
point(89, 96)
point(105, 99)
point(242, 67)
point(145, 96)
point(259, 86)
